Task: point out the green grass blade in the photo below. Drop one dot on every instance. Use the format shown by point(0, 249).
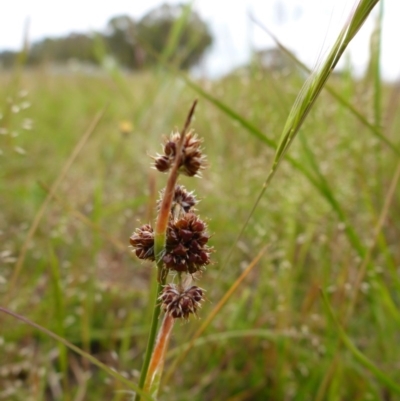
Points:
point(329, 196)
point(311, 90)
point(80, 352)
point(176, 33)
point(374, 128)
point(227, 335)
point(40, 213)
point(376, 39)
point(358, 355)
point(229, 112)
point(59, 313)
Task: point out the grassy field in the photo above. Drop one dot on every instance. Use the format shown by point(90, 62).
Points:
point(330, 220)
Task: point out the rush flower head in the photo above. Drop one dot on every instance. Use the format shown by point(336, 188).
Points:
point(182, 201)
point(178, 245)
point(179, 302)
point(142, 241)
point(192, 158)
point(186, 245)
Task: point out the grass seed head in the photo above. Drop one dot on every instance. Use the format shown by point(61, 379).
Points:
point(142, 241)
point(186, 247)
point(182, 202)
point(193, 161)
point(179, 302)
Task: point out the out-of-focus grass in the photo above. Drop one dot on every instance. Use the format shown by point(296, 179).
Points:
point(273, 340)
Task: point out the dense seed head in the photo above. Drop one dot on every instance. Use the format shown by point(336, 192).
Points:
point(163, 163)
point(179, 302)
point(186, 244)
point(142, 241)
point(186, 247)
point(192, 161)
point(182, 202)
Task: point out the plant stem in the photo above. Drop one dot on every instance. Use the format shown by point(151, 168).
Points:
point(150, 342)
point(158, 357)
point(159, 246)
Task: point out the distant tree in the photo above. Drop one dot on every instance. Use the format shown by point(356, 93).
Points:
point(74, 46)
point(120, 39)
point(8, 58)
point(155, 28)
point(183, 33)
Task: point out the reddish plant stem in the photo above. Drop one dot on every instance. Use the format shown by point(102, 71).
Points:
point(158, 356)
point(166, 203)
point(165, 208)
point(159, 246)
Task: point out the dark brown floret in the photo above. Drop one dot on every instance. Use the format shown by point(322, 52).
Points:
point(192, 159)
point(182, 202)
point(163, 163)
point(180, 303)
point(142, 241)
point(186, 247)
point(186, 200)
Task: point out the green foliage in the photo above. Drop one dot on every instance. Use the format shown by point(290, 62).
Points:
point(177, 31)
point(276, 338)
point(157, 28)
point(277, 315)
point(60, 50)
point(121, 43)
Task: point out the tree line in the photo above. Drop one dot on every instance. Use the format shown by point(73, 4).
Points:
point(171, 31)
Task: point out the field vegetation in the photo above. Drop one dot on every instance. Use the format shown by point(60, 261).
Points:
point(313, 311)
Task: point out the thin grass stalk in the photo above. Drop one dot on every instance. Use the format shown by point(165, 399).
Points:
point(351, 233)
point(176, 33)
point(40, 213)
point(80, 352)
point(227, 335)
point(59, 310)
point(313, 87)
point(59, 314)
point(159, 247)
point(378, 228)
point(360, 275)
point(327, 379)
point(376, 39)
point(363, 269)
point(359, 356)
point(309, 94)
point(375, 128)
point(158, 357)
point(214, 313)
point(119, 245)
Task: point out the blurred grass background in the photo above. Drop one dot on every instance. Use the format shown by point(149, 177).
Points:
point(273, 340)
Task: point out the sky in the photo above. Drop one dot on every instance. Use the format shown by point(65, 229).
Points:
point(307, 27)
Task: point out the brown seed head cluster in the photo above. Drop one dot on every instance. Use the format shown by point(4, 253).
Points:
point(179, 302)
point(186, 245)
point(182, 202)
point(192, 158)
point(186, 248)
point(142, 241)
point(185, 251)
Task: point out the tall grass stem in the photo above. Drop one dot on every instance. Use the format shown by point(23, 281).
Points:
point(159, 246)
